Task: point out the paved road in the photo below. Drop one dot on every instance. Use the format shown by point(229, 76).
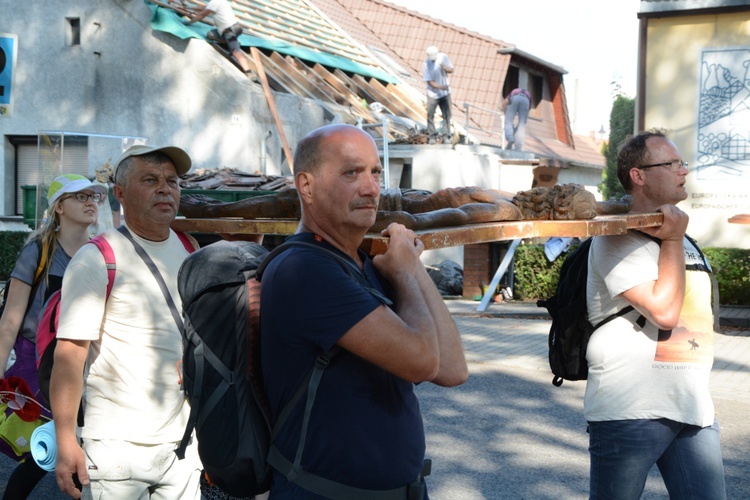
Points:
point(509, 433)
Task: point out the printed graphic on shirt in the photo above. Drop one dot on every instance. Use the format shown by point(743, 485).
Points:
point(693, 339)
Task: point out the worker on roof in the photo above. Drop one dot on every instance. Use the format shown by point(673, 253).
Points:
point(227, 27)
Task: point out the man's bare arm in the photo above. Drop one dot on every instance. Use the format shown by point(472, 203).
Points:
point(199, 16)
point(452, 370)
point(405, 341)
point(661, 300)
point(66, 388)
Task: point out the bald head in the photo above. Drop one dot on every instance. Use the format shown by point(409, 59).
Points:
point(315, 148)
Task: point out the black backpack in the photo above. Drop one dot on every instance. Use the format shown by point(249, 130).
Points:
point(222, 377)
point(570, 331)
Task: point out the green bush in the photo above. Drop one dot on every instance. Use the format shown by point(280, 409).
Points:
point(11, 243)
point(536, 277)
point(732, 269)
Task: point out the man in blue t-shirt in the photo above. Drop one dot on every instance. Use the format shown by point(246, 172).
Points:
point(365, 429)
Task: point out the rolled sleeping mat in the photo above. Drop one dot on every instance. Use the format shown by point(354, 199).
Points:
point(44, 446)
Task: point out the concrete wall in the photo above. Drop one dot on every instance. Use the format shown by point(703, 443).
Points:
point(689, 93)
point(126, 79)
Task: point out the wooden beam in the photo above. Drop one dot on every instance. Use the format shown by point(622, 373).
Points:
point(416, 107)
point(383, 97)
point(360, 90)
point(445, 236)
point(303, 80)
point(348, 94)
point(272, 106)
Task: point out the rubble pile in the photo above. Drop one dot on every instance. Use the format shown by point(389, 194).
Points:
point(232, 179)
point(412, 139)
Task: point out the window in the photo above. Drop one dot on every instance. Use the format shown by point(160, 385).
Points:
point(40, 159)
point(536, 82)
point(73, 36)
point(511, 80)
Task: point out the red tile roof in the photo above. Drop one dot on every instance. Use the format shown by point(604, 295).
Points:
point(479, 76)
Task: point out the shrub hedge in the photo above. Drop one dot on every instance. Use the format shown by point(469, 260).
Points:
point(11, 243)
point(536, 277)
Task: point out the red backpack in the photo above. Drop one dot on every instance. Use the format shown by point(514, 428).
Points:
point(49, 316)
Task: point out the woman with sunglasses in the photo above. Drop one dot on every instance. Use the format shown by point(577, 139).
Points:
point(73, 207)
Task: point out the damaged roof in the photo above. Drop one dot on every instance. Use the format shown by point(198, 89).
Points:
point(364, 57)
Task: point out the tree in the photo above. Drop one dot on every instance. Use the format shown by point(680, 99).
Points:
point(621, 124)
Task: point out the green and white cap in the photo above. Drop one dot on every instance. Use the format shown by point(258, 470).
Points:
point(71, 183)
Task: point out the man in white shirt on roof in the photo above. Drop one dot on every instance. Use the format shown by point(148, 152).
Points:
point(227, 26)
point(435, 75)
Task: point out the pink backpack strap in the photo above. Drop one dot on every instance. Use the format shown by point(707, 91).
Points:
point(109, 259)
point(185, 241)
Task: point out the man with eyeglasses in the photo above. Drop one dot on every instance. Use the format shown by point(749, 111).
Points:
point(647, 400)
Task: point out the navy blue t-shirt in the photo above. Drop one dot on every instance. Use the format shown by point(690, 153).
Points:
point(365, 428)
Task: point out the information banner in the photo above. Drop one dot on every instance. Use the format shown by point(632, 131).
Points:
point(8, 52)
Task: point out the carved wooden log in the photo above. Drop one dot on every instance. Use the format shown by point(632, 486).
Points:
point(420, 210)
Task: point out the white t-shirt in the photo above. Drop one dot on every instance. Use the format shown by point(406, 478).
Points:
point(132, 389)
point(640, 372)
point(223, 14)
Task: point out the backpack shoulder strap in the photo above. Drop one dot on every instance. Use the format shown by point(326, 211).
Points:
point(109, 259)
point(185, 240)
point(41, 261)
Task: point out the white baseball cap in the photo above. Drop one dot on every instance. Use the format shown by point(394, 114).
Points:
point(432, 52)
point(180, 158)
point(71, 183)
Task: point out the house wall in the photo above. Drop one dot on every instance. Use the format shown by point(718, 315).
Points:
point(127, 79)
point(705, 112)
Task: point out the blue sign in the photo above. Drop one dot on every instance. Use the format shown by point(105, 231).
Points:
point(8, 50)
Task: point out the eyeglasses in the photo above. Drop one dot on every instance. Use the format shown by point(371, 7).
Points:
point(84, 197)
point(673, 165)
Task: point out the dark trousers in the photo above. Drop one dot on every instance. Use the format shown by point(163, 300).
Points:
point(445, 109)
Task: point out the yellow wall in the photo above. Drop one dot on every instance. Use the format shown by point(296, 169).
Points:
point(673, 54)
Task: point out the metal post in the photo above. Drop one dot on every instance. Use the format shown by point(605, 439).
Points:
point(498, 274)
point(386, 170)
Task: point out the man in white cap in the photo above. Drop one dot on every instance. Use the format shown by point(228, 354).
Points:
point(127, 344)
point(435, 74)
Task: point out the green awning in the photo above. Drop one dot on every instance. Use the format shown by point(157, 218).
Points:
point(169, 21)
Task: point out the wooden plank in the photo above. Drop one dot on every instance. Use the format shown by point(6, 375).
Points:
point(383, 96)
point(412, 100)
point(303, 79)
point(503, 231)
point(229, 225)
point(347, 94)
point(288, 81)
point(358, 89)
point(272, 106)
point(739, 219)
point(446, 236)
